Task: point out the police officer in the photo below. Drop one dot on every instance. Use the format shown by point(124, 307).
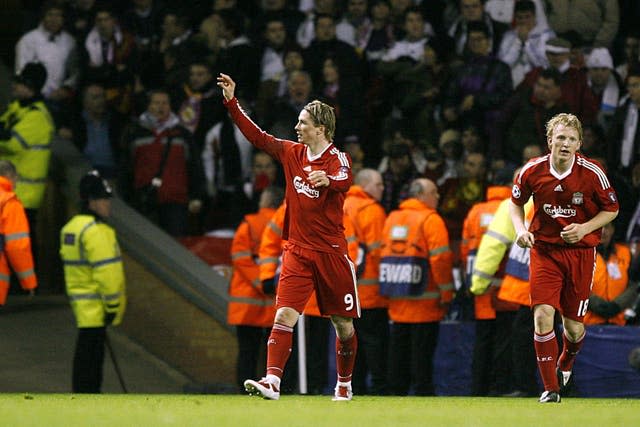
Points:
point(94, 278)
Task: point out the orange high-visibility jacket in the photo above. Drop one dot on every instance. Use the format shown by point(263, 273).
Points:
point(434, 237)
point(16, 246)
point(248, 305)
point(368, 217)
point(272, 243)
point(610, 279)
point(475, 225)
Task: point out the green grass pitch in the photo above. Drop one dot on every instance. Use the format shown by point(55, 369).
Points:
point(226, 410)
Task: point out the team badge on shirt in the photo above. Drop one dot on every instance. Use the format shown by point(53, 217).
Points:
point(515, 191)
point(577, 198)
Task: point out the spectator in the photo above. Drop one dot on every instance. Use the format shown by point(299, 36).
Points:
point(381, 36)
point(275, 66)
point(251, 309)
point(16, 253)
point(612, 292)
point(110, 60)
point(522, 118)
point(415, 237)
point(95, 279)
point(240, 57)
point(414, 90)
point(226, 157)
point(26, 129)
point(325, 45)
point(574, 88)
point(197, 103)
point(596, 21)
point(504, 11)
point(631, 53)
point(50, 45)
point(209, 40)
point(606, 85)
point(280, 10)
point(283, 114)
point(367, 215)
point(306, 32)
point(264, 173)
point(623, 136)
point(144, 19)
point(461, 193)
point(473, 11)
point(452, 150)
point(398, 176)
point(523, 47)
point(79, 18)
point(478, 88)
point(411, 46)
point(96, 131)
point(344, 95)
point(164, 166)
point(355, 26)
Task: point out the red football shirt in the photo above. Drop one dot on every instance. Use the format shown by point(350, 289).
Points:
point(575, 196)
point(314, 215)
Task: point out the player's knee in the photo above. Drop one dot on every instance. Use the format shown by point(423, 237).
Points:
point(286, 316)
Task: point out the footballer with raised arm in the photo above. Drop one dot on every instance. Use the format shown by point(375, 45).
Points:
point(318, 176)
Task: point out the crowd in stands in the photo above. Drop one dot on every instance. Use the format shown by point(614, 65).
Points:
point(455, 91)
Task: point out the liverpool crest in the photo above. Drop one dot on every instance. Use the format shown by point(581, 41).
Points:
point(577, 198)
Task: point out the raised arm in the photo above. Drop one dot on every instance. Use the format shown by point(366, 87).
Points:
point(227, 85)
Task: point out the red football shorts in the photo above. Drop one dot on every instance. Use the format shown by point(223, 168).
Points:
point(562, 276)
point(333, 277)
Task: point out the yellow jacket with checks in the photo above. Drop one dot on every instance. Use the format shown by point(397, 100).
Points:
point(30, 130)
point(93, 271)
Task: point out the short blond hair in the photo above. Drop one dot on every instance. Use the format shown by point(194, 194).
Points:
point(322, 115)
point(565, 119)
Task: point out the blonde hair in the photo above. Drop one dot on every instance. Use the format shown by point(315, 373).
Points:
point(322, 115)
point(565, 119)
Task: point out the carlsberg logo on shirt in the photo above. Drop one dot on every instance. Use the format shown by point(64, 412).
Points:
point(304, 188)
point(558, 211)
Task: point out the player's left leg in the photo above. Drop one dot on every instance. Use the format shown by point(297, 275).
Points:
point(346, 349)
point(574, 301)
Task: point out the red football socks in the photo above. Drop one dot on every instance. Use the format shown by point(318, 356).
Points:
point(346, 357)
point(546, 347)
point(569, 352)
point(278, 349)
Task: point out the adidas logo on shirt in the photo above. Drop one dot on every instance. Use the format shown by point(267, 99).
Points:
point(558, 188)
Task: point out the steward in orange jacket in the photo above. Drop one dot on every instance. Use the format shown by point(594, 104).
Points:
point(475, 225)
point(316, 326)
point(368, 216)
point(251, 309)
point(611, 291)
point(15, 244)
point(416, 273)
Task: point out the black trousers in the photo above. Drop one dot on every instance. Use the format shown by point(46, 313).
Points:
point(317, 339)
point(411, 350)
point(372, 330)
point(482, 378)
point(88, 360)
point(252, 341)
point(524, 354)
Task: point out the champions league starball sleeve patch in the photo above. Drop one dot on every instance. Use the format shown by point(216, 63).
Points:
point(612, 197)
point(515, 191)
